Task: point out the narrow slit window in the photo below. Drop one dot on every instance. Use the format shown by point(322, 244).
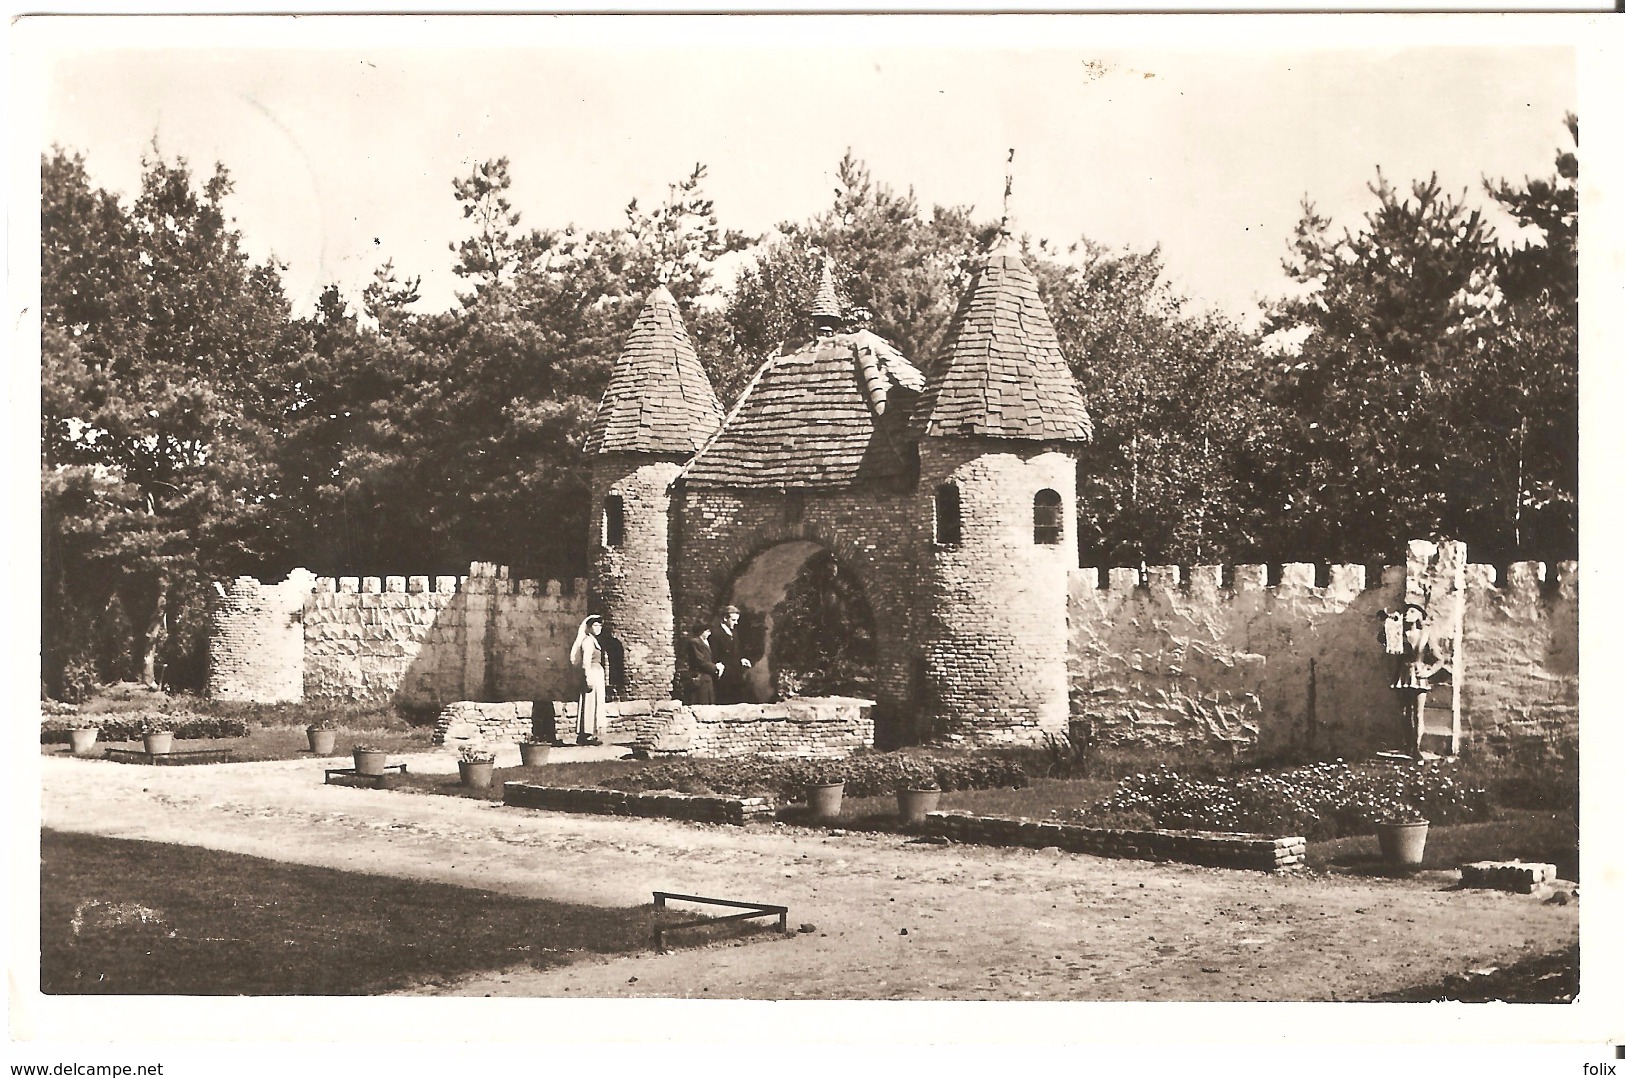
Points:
point(1047, 521)
point(795, 506)
point(947, 515)
point(614, 520)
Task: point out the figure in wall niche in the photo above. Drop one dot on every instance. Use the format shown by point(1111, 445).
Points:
point(1405, 636)
point(727, 652)
point(700, 671)
point(587, 655)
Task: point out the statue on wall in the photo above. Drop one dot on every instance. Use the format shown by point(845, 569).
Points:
point(1405, 636)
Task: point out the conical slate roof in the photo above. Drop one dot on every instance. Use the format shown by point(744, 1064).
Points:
point(1001, 373)
point(826, 304)
point(658, 399)
point(834, 413)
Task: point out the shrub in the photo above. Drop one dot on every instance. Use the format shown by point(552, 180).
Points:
point(54, 729)
point(473, 754)
point(1318, 801)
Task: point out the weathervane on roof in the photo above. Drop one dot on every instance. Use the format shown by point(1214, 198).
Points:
point(1009, 182)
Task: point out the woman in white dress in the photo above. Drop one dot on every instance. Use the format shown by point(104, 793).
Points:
point(587, 656)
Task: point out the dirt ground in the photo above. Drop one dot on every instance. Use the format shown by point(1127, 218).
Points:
point(892, 919)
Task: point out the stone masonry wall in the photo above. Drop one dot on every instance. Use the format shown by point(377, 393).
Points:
point(631, 581)
point(1521, 689)
point(821, 727)
point(257, 646)
point(419, 641)
point(1170, 660)
point(995, 631)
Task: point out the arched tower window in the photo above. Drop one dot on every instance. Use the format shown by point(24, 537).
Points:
point(1047, 520)
point(614, 520)
point(946, 522)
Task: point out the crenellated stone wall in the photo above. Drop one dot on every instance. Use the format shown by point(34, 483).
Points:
point(1223, 657)
point(1521, 691)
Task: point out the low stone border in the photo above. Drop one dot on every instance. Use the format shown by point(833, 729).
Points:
point(706, 808)
point(1192, 847)
point(1523, 877)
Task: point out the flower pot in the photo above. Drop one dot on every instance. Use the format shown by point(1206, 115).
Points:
point(824, 799)
point(533, 754)
point(158, 744)
point(1402, 843)
point(322, 741)
point(83, 740)
point(477, 775)
point(370, 761)
point(912, 805)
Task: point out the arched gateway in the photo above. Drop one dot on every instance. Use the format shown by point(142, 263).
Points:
point(949, 494)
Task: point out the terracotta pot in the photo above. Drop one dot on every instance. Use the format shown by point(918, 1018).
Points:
point(322, 741)
point(370, 761)
point(83, 740)
point(477, 775)
point(533, 754)
point(158, 744)
point(1402, 843)
point(824, 799)
point(912, 805)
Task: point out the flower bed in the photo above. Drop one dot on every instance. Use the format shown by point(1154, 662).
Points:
point(1318, 801)
point(130, 726)
point(865, 775)
point(1264, 852)
point(673, 806)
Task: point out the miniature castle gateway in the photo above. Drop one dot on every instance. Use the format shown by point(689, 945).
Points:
point(949, 495)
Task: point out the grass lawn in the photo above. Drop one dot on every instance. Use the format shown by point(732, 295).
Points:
point(128, 917)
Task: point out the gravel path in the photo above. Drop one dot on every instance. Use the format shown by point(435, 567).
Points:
point(893, 919)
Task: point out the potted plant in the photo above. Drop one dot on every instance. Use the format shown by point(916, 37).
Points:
point(1402, 829)
point(534, 752)
point(157, 735)
point(322, 734)
point(1402, 837)
point(475, 766)
point(369, 760)
point(824, 788)
point(918, 793)
point(83, 738)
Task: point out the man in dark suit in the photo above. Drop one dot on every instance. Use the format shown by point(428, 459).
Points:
point(730, 663)
point(701, 668)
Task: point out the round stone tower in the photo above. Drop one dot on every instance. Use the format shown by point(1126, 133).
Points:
point(658, 409)
point(997, 426)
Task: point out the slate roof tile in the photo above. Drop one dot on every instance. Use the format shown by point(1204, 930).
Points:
point(659, 399)
point(1001, 373)
point(808, 419)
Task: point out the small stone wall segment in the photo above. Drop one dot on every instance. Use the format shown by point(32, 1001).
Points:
point(811, 728)
point(1520, 689)
point(1177, 660)
point(1508, 875)
point(1259, 852)
point(631, 582)
point(995, 629)
point(257, 639)
point(427, 641)
point(703, 808)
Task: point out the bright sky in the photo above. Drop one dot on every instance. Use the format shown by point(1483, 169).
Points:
point(344, 154)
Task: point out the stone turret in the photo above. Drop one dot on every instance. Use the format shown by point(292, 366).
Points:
point(997, 425)
point(657, 411)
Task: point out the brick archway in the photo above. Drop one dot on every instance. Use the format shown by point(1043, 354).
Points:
point(737, 529)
